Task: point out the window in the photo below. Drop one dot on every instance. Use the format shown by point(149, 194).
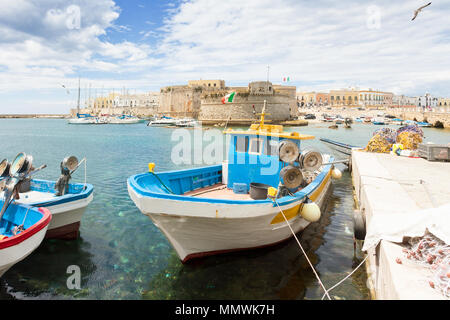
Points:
point(255, 146)
point(241, 144)
point(271, 147)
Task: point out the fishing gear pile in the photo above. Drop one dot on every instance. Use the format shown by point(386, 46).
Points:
point(405, 138)
point(434, 253)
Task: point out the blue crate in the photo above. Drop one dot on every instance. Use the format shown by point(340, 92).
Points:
point(240, 188)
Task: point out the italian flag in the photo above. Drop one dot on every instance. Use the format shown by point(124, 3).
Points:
point(229, 97)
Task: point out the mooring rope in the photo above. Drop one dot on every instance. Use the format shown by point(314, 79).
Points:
point(310, 264)
point(304, 253)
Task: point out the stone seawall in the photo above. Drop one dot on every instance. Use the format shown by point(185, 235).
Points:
point(430, 117)
point(277, 108)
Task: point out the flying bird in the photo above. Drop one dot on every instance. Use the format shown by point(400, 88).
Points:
point(68, 92)
point(418, 10)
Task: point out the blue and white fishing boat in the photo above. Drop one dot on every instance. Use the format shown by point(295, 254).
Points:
point(266, 185)
point(424, 124)
point(66, 201)
point(22, 229)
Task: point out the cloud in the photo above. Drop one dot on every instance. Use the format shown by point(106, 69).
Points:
point(54, 37)
point(320, 41)
point(320, 44)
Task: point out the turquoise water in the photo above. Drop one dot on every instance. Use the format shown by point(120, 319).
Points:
point(122, 255)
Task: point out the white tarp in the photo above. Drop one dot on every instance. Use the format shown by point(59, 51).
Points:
point(395, 226)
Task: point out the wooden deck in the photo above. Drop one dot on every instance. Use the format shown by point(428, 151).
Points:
point(217, 191)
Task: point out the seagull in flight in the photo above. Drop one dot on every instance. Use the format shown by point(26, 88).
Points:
point(418, 10)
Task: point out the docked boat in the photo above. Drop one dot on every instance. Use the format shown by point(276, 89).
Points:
point(267, 186)
point(424, 124)
point(87, 119)
point(124, 119)
point(378, 121)
point(187, 122)
point(22, 229)
point(163, 121)
point(66, 201)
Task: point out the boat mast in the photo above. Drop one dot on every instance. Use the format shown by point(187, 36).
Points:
point(78, 103)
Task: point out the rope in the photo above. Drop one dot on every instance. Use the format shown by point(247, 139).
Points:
point(304, 253)
point(310, 264)
point(167, 188)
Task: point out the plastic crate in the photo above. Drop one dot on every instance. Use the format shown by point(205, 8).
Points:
point(434, 152)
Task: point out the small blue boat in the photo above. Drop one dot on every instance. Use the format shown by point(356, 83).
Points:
point(267, 185)
point(424, 124)
point(22, 229)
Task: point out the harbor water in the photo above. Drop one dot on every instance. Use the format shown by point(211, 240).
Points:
point(122, 255)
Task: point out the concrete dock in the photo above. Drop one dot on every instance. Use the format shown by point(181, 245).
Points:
point(386, 184)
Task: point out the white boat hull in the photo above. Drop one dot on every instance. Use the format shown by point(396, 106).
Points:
point(198, 229)
point(66, 217)
point(12, 255)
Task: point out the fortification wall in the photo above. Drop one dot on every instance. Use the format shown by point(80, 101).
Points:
point(278, 107)
point(179, 99)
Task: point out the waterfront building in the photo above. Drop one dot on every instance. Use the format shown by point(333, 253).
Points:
point(322, 99)
point(344, 97)
point(427, 102)
point(373, 99)
point(443, 104)
point(402, 101)
point(306, 99)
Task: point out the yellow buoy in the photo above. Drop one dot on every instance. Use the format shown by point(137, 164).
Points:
point(151, 167)
point(336, 173)
point(310, 212)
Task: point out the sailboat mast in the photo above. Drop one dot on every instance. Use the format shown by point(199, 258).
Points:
point(78, 103)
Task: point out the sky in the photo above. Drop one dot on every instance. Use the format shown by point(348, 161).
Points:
point(143, 45)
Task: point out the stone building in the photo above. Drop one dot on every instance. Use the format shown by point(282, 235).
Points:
point(375, 99)
point(444, 104)
point(402, 101)
point(344, 98)
point(427, 102)
point(184, 100)
point(248, 102)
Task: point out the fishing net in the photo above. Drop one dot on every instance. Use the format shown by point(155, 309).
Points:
point(378, 144)
point(434, 253)
point(414, 128)
point(409, 140)
point(389, 134)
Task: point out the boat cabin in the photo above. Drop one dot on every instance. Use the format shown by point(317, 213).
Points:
point(253, 154)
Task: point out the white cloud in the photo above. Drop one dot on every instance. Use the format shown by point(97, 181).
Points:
point(320, 44)
point(320, 41)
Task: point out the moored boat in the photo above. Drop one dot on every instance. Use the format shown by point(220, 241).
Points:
point(163, 121)
point(124, 119)
point(66, 201)
point(424, 124)
point(378, 121)
point(242, 204)
point(22, 229)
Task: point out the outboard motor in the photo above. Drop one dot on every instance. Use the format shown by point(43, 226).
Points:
point(20, 172)
point(68, 166)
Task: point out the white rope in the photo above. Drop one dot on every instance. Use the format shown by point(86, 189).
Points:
point(310, 264)
point(337, 284)
point(304, 253)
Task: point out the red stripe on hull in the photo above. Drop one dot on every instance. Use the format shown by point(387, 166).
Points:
point(67, 232)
